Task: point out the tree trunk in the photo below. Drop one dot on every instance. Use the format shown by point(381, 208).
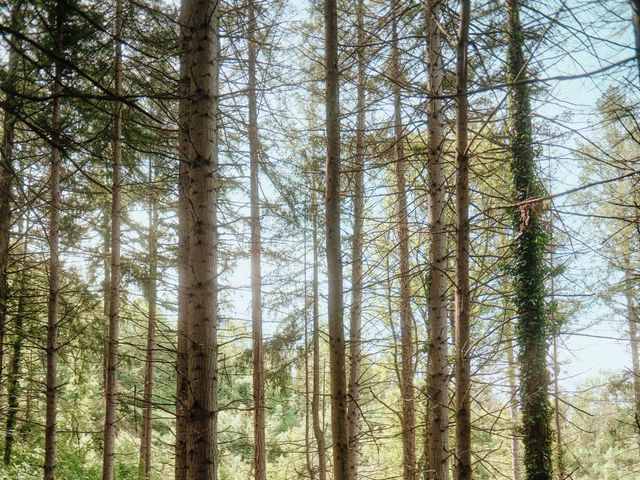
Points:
point(562, 474)
point(182, 348)
point(152, 297)
point(462, 296)
point(438, 329)
point(528, 268)
point(635, 7)
point(632, 319)
point(318, 431)
point(355, 332)
point(307, 389)
point(54, 260)
point(202, 407)
point(111, 387)
point(406, 319)
point(334, 250)
point(6, 176)
point(513, 403)
point(13, 388)
point(259, 448)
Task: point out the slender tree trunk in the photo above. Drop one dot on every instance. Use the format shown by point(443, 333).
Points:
point(259, 448)
point(307, 389)
point(462, 295)
point(513, 403)
point(406, 319)
point(334, 250)
point(182, 353)
point(562, 474)
point(633, 319)
point(438, 335)
point(13, 388)
point(315, 400)
point(635, 8)
point(54, 260)
point(106, 249)
point(111, 387)
point(355, 337)
point(6, 176)
point(152, 297)
point(202, 407)
point(528, 267)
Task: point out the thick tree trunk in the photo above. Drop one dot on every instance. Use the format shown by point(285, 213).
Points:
point(355, 333)
point(111, 387)
point(6, 176)
point(203, 177)
point(54, 260)
point(462, 295)
point(438, 329)
point(406, 319)
point(318, 431)
point(152, 298)
point(182, 353)
point(334, 250)
point(528, 266)
point(259, 448)
point(632, 320)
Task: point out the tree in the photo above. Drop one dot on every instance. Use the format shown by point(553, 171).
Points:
point(202, 276)
point(462, 314)
point(528, 270)
point(438, 331)
point(334, 250)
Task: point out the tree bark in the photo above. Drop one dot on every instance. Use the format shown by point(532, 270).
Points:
point(632, 320)
point(182, 348)
point(6, 176)
point(513, 403)
point(462, 295)
point(111, 387)
point(334, 250)
point(438, 328)
point(259, 448)
point(635, 8)
point(318, 431)
point(152, 298)
point(406, 319)
point(355, 332)
point(54, 260)
point(203, 175)
point(528, 267)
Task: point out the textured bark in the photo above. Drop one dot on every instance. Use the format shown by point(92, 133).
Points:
point(182, 374)
point(13, 387)
point(406, 319)
point(7, 175)
point(462, 296)
point(202, 406)
point(355, 332)
point(111, 385)
point(152, 299)
point(528, 266)
point(334, 251)
point(259, 448)
point(513, 404)
point(54, 260)
point(318, 431)
point(438, 329)
point(632, 320)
